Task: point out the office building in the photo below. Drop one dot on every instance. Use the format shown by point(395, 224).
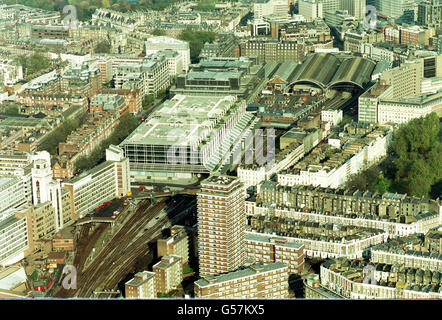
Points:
point(330, 5)
point(104, 182)
point(221, 225)
point(161, 43)
point(268, 7)
point(12, 193)
point(406, 92)
point(393, 8)
point(150, 76)
point(220, 77)
point(15, 236)
point(356, 8)
point(273, 50)
point(429, 13)
point(183, 137)
point(311, 9)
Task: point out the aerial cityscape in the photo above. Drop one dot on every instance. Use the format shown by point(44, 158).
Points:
point(221, 149)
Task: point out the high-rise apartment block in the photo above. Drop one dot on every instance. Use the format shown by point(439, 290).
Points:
point(221, 225)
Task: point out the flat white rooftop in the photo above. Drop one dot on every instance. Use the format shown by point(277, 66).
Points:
point(182, 120)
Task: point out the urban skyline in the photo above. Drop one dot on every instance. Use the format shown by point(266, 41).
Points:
point(251, 149)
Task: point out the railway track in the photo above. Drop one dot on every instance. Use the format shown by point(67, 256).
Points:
point(84, 247)
point(139, 248)
point(114, 261)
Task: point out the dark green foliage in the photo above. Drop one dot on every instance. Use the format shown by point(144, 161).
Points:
point(382, 184)
point(158, 32)
point(206, 5)
point(60, 134)
point(418, 159)
point(127, 124)
point(415, 168)
point(12, 110)
point(103, 47)
point(148, 101)
point(196, 39)
point(33, 63)
point(364, 180)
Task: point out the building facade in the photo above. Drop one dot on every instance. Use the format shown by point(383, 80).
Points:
point(221, 225)
point(254, 282)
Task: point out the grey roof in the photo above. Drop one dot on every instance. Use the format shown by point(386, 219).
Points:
point(326, 70)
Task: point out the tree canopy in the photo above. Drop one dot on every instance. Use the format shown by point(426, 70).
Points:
point(85, 9)
point(127, 124)
point(60, 134)
point(206, 5)
point(33, 63)
point(418, 150)
point(415, 166)
point(103, 47)
point(196, 39)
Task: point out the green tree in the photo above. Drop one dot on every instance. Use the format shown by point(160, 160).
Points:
point(148, 101)
point(205, 5)
point(158, 32)
point(196, 39)
point(382, 184)
point(12, 110)
point(103, 47)
point(33, 63)
point(418, 161)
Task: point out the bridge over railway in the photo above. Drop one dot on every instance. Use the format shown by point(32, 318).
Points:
point(155, 195)
point(146, 196)
point(93, 219)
